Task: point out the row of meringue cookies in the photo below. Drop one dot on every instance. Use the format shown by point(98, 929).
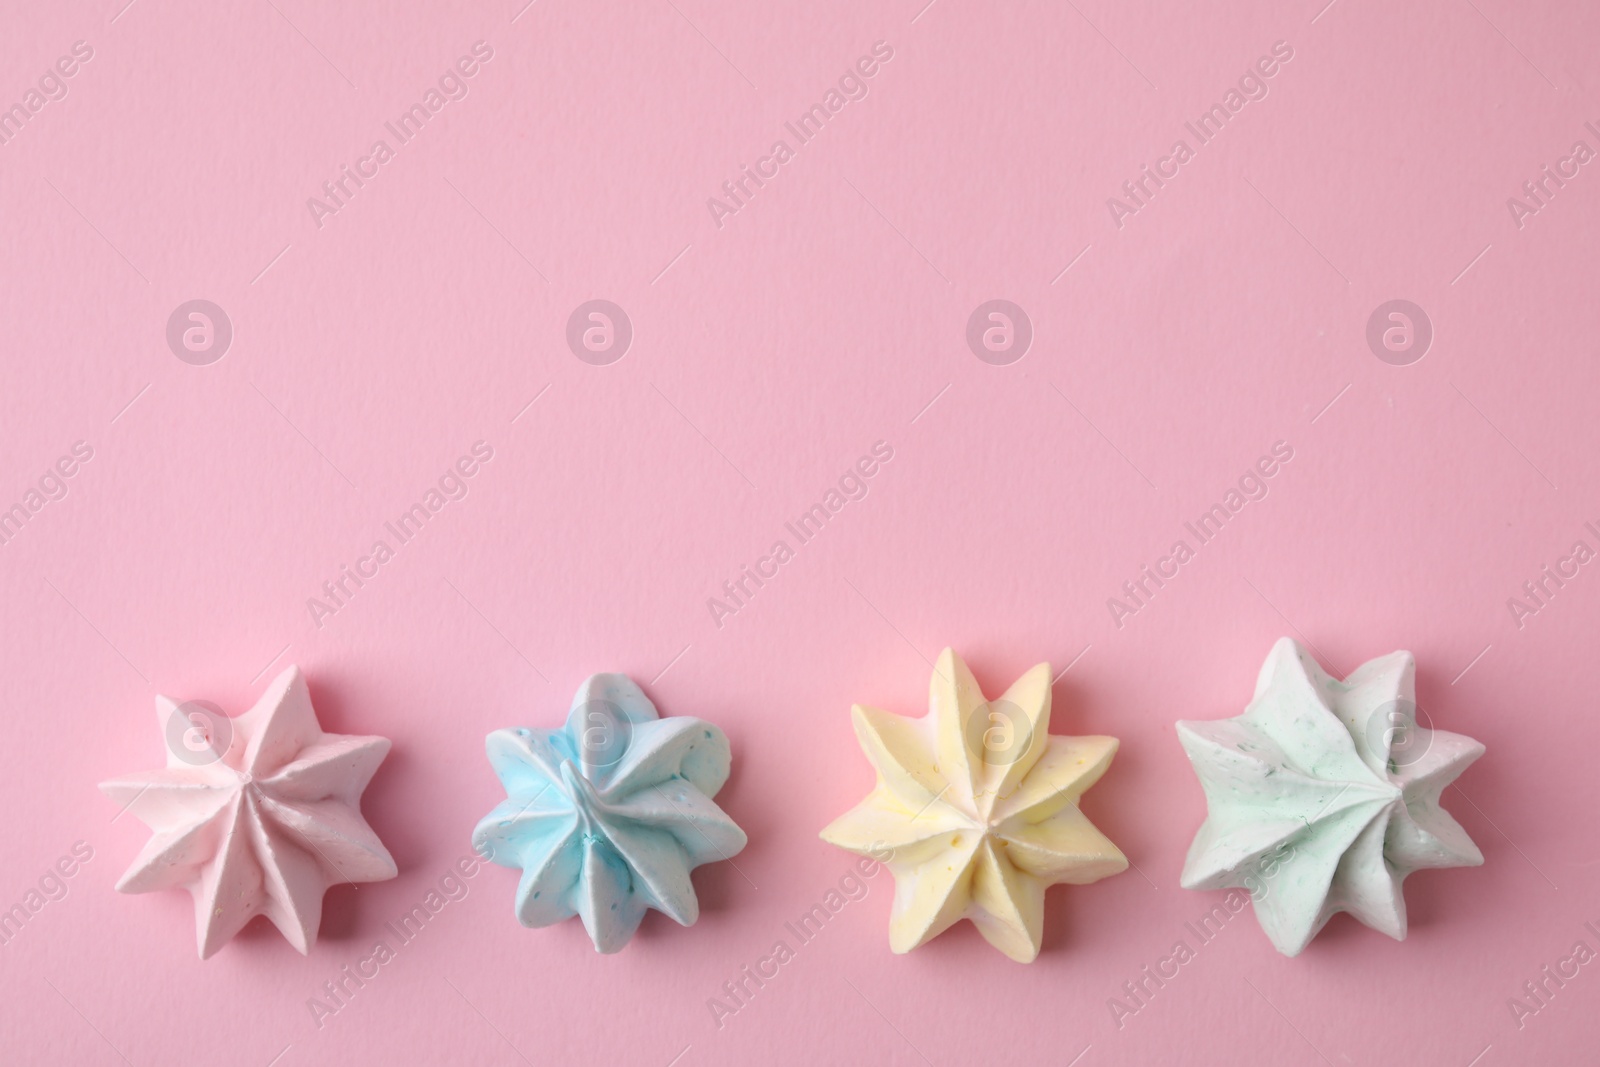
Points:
point(1323, 796)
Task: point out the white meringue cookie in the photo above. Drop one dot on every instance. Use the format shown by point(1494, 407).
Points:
point(1324, 795)
point(255, 815)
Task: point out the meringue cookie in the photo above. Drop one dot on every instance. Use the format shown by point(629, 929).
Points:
point(975, 811)
point(607, 816)
point(255, 815)
point(1324, 795)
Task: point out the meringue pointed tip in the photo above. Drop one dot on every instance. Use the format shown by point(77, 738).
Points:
point(1188, 878)
point(606, 678)
point(861, 717)
point(603, 681)
point(1186, 881)
point(286, 681)
point(1191, 733)
point(493, 736)
point(831, 831)
point(899, 945)
point(382, 745)
point(609, 946)
point(1021, 957)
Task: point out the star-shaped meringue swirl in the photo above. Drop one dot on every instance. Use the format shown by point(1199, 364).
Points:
point(256, 815)
point(976, 810)
point(607, 816)
point(1324, 795)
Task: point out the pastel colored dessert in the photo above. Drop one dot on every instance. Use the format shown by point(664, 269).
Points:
point(255, 815)
point(975, 812)
point(607, 815)
point(1324, 795)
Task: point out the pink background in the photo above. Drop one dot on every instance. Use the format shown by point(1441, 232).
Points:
point(769, 353)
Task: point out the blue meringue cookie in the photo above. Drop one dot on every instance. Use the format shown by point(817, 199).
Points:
point(608, 815)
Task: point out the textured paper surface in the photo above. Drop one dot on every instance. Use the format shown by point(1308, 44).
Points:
point(371, 348)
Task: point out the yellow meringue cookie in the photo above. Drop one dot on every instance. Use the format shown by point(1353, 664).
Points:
point(975, 812)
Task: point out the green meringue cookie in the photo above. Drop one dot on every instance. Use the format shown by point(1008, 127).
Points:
point(1324, 795)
